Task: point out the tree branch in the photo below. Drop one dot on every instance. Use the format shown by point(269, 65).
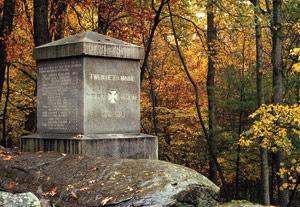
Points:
point(197, 100)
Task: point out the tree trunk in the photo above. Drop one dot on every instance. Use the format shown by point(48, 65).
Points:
point(58, 8)
point(265, 186)
point(153, 98)
point(41, 31)
point(5, 30)
point(283, 195)
point(102, 27)
point(211, 40)
point(277, 52)
point(5, 140)
point(41, 36)
point(59, 16)
point(197, 104)
point(153, 27)
point(241, 121)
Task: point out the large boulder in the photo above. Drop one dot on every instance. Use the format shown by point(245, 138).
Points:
point(73, 180)
point(241, 203)
point(18, 200)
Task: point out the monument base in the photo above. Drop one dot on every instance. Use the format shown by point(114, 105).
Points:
point(129, 146)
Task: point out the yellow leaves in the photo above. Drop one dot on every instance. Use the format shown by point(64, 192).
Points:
point(273, 126)
point(282, 172)
point(296, 66)
point(298, 169)
point(245, 142)
point(295, 51)
point(284, 186)
point(293, 173)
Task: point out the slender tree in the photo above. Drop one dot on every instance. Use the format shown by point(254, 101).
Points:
point(59, 8)
point(40, 21)
point(41, 36)
point(260, 100)
point(102, 22)
point(241, 120)
point(210, 83)
point(6, 25)
point(197, 104)
point(283, 195)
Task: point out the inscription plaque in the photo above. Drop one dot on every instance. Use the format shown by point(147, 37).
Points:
point(60, 96)
point(111, 96)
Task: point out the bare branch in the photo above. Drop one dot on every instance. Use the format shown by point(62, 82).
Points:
point(78, 15)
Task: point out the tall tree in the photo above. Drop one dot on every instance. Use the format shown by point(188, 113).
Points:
point(260, 100)
point(197, 104)
point(241, 121)
point(210, 83)
point(40, 21)
point(41, 36)
point(102, 21)
point(6, 25)
point(283, 195)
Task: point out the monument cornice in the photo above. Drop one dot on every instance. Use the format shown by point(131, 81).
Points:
point(90, 44)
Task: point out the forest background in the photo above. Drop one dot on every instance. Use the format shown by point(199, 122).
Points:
point(220, 81)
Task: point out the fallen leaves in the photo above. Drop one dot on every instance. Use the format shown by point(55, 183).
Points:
point(6, 157)
point(84, 189)
point(10, 185)
point(79, 157)
point(106, 200)
point(93, 169)
point(51, 193)
point(74, 195)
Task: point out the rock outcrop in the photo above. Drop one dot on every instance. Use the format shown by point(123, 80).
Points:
point(76, 181)
point(19, 200)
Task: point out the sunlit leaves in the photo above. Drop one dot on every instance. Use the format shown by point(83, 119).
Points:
point(273, 128)
point(296, 66)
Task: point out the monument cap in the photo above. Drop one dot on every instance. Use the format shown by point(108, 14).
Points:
point(91, 44)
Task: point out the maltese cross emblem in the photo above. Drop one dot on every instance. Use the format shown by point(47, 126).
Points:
point(112, 97)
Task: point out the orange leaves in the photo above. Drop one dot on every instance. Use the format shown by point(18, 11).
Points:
point(11, 185)
point(51, 193)
point(6, 157)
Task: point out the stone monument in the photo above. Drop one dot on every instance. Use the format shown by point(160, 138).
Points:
point(89, 99)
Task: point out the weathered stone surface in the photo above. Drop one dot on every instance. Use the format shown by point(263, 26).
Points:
point(19, 200)
point(88, 43)
point(131, 146)
point(60, 96)
point(111, 96)
point(88, 95)
point(83, 181)
point(240, 203)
